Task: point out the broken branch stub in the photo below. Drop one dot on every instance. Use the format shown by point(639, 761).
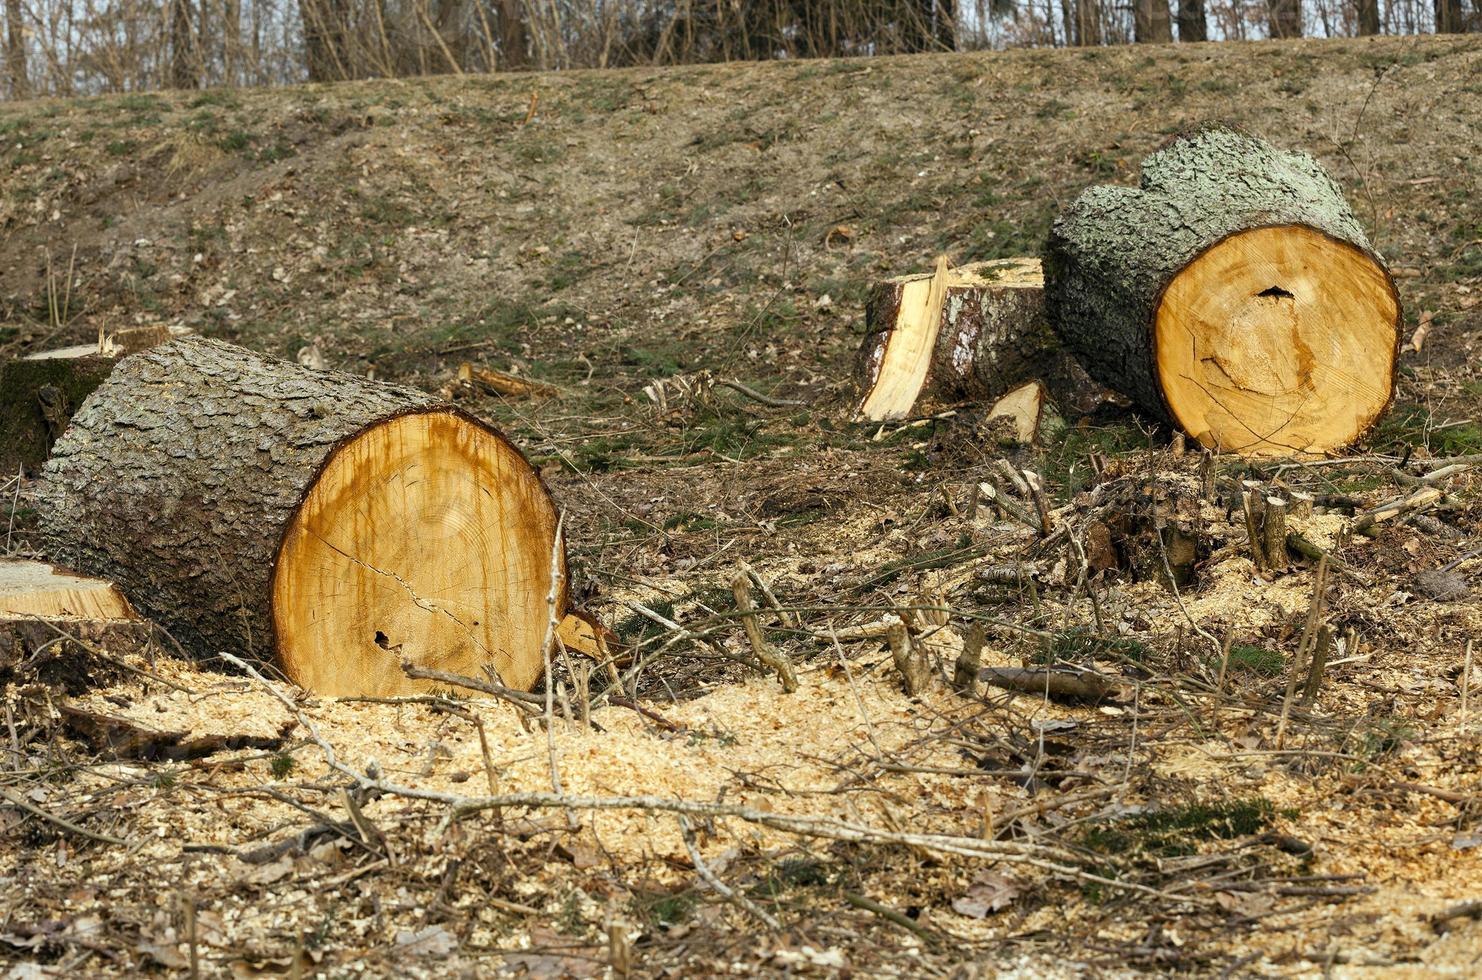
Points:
point(337, 524)
point(1233, 293)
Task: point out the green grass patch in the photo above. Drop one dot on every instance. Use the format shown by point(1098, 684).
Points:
point(1409, 426)
point(1178, 831)
point(1082, 644)
point(1251, 659)
point(1064, 461)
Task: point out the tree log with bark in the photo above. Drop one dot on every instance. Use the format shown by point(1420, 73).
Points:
point(1232, 293)
point(342, 525)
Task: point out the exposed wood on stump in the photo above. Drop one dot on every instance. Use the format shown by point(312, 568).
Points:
point(344, 525)
point(1233, 293)
point(974, 332)
point(1021, 412)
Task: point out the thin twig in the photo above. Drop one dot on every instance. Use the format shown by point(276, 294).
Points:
point(721, 888)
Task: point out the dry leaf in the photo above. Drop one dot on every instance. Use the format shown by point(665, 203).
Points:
point(989, 892)
point(432, 941)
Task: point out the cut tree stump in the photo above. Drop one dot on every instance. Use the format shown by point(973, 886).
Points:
point(39, 392)
point(1233, 293)
point(970, 332)
point(336, 523)
point(49, 619)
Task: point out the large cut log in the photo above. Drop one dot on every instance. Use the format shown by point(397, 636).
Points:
point(970, 332)
point(340, 524)
point(1232, 293)
point(39, 392)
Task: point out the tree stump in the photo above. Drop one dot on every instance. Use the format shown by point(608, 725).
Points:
point(1232, 293)
point(39, 392)
point(340, 524)
point(971, 332)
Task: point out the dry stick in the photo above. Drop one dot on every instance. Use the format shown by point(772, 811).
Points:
point(1418, 500)
point(1045, 857)
point(552, 628)
point(1319, 662)
point(864, 715)
point(1305, 548)
point(783, 616)
point(757, 396)
point(1309, 634)
point(1012, 475)
point(525, 701)
point(721, 888)
point(775, 659)
point(15, 501)
point(1466, 687)
point(891, 915)
point(965, 674)
point(16, 800)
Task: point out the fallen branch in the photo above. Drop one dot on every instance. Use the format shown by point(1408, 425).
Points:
point(1055, 683)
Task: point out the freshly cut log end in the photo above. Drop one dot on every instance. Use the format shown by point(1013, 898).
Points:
point(342, 525)
point(1233, 293)
point(51, 621)
point(1277, 340)
point(426, 538)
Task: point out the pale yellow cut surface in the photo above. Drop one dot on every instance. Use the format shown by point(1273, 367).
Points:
point(1277, 341)
point(33, 589)
point(906, 359)
point(426, 538)
point(1024, 406)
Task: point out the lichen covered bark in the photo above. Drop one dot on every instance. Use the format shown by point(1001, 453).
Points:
point(1114, 250)
point(179, 473)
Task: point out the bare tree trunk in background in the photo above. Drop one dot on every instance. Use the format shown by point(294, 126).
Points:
point(1368, 17)
point(1449, 19)
point(15, 51)
point(1151, 23)
point(512, 34)
point(1087, 22)
point(1286, 17)
point(231, 42)
point(324, 39)
point(1192, 25)
point(183, 72)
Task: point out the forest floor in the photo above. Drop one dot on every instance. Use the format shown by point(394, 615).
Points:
point(606, 231)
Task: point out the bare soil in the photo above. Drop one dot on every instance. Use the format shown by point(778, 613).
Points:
point(607, 232)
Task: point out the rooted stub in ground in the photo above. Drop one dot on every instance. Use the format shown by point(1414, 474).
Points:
point(1233, 293)
point(342, 525)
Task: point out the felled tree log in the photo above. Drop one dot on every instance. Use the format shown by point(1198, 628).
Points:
point(971, 332)
point(1233, 293)
point(340, 524)
point(39, 392)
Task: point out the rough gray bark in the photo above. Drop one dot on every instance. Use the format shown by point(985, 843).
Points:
point(179, 474)
point(1368, 18)
point(1112, 252)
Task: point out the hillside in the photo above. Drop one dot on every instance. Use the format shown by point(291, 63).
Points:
point(602, 231)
